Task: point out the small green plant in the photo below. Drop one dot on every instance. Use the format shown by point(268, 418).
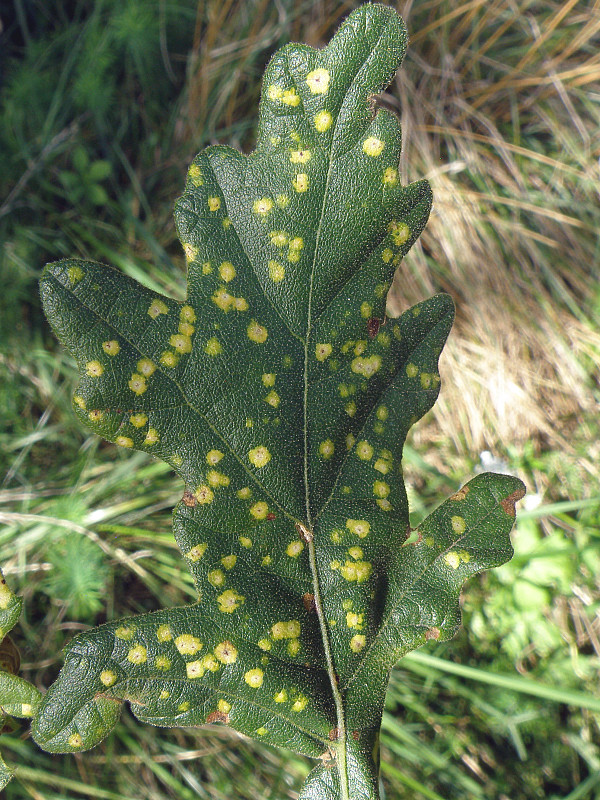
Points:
point(282, 396)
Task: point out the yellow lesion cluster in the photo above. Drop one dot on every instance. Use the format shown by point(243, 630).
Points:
point(300, 182)
point(367, 366)
point(454, 558)
point(288, 97)
point(195, 175)
point(326, 449)
point(359, 527)
point(227, 302)
point(295, 245)
point(229, 601)
point(323, 121)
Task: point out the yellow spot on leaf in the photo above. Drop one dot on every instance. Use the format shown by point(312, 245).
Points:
point(382, 466)
point(412, 371)
point(294, 548)
point(300, 156)
point(187, 314)
point(138, 420)
point(381, 489)
point(245, 541)
point(458, 525)
point(229, 601)
point(187, 644)
point(256, 333)
point(326, 448)
point(263, 205)
point(360, 527)
point(108, 677)
point(356, 553)
point(137, 654)
point(75, 275)
point(382, 413)
point(197, 551)
point(254, 678)
point(195, 669)
point(390, 176)
point(185, 706)
point(137, 383)
point(162, 663)
point(322, 351)
point(111, 348)
point(387, 255)
point(244, 493)
point(355, 620)
point(286, 630)
point(452, 559)
point(96, 415)
point(350, 440)
point(164, 695)
point(364, 450)
point(274, 92)
point(214, 203)
point(191, 252)
point(373, 146)
point(273, 399)
point(75, 740)
point(204, 494)
point(79, 401)
point(323, 121)
point(168, 359)
point(157, 307)
point(290, 97)
point(276, 271)
point(300, 182)
point(124, 441)
point(94, 369)
point(262, 731)
point(195, 175)
point(213, 457)
point(279, 238)
point(282, 200)
point(293, 647)
point(357, 642)
point(259, 456)
point(224, 706)
point(125, 632)
point(350, 408)
point(163, 633)
point(281, 696)
point(213, 347)
point(366, 366)
point(227, 271)
point(399, 231)
point(181, 343)
point(216, 577)
point(300, 703)
point(146, 367)
point(318, 81)
point(229, 561)
point(366, 310)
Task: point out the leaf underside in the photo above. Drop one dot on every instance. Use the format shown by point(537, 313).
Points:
point(282, 396)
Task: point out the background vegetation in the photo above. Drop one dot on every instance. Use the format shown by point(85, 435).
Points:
point(102, 106)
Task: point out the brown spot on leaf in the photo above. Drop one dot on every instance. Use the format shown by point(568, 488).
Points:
point(271, 516)
point(304, 533)
point(334, 734)
point(355, 735)
point(373, 327)
point(432, 633)
point(218, 716)
point(508, 504)
point(189, 499)
point(309, 602)
point(461, 494)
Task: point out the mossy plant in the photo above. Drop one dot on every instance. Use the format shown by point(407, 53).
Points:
point(282, 396)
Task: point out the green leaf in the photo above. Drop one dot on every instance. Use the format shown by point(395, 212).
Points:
point(6, 773)
point(18, 697)
point(10, 608)
point(282, 396)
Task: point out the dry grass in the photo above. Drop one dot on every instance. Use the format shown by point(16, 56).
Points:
point(497, 112)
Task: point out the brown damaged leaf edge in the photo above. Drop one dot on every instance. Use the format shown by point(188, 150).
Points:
point(508, 504)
